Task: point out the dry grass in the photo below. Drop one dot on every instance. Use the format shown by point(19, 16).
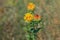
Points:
point(11, 22)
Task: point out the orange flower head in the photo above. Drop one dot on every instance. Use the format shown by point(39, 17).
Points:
point(31, 6)
point(37, 17)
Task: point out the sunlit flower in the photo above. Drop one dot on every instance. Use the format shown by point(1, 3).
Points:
point(28, 17)
point(31, 6)
point(37, 17)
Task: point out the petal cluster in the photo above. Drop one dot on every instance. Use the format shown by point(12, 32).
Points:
point(30, 6)
point(28, 17)
point(37, 17)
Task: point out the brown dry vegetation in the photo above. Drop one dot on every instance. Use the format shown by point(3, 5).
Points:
point(11, 23)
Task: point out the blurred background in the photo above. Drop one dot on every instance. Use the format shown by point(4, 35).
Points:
point(12, 23)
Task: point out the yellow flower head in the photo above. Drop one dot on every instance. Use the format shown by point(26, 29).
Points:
point(28, 17)
point(31, 6)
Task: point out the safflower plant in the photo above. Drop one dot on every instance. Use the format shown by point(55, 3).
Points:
point(32, 20)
